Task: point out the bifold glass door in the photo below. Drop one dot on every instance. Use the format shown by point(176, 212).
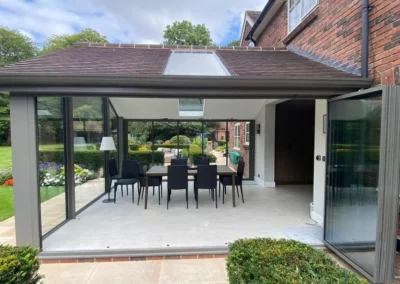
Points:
point(357, 189)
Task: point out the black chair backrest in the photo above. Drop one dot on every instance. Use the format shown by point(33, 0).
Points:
point(112, 167)
point(177, 177)
point(178, 162)
point(130, 169)
point(201, 161)
point(240, 169)
point(206, 176)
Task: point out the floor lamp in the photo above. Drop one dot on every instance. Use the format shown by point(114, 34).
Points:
point(107, 144)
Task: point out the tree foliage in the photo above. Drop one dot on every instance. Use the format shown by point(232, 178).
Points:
point(57, 42)
point(15, 47)
point(186, 33)
point(4, 119)
point(234, 43)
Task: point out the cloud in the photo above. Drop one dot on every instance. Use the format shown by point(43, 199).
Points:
point(124, 21)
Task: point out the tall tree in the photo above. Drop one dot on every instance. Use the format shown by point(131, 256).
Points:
point(234, 43)
point(57, 42)
point(15, 47)
point(185, 33)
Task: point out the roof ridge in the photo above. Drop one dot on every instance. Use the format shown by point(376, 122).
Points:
point(185, 47)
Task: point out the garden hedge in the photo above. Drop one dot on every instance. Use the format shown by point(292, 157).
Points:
point(94, 160)
point(134, 147)
point(19, 265)
point(221, 143)
point(146, 157)
point(170, 146)
point(257, 261)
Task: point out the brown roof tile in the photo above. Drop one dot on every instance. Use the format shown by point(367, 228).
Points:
point(96, 60)
point(148, 59)
point(275, 63)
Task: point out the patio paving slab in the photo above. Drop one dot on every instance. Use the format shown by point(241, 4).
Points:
point(202, 271)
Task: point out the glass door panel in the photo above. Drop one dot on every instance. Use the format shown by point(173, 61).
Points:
point(352, 178)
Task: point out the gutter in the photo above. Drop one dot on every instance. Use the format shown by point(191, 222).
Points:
point(365, 38)
point(259, 20)
point(161, 86)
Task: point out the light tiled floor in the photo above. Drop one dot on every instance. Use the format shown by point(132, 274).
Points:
point(53, 210)
point(193, 271)
point(265, 213)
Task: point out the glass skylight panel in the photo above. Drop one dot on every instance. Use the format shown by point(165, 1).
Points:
point(191, 107)
point(192, 63)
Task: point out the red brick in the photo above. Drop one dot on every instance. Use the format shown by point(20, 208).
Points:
point(103, 259)
point(86, 260)
point(189, 256)
point(155, 258)
point(223, 255)
point(206, 256)
point(117, 259)
point(173, 257)
point(47, 261)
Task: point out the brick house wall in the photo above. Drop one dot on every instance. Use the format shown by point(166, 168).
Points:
point(247, 29)
point(276, 31)
point(334, 37)
point(244, 150)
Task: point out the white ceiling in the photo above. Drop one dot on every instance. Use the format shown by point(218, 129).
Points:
point(142, 108)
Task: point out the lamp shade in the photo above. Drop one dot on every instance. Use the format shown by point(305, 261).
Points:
point(107, 144)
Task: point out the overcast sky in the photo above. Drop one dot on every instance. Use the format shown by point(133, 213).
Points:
point(124, 21)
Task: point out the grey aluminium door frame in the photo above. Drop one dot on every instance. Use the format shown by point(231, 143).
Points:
point(389, 183)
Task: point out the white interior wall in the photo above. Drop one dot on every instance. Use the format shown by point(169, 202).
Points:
point(265, 146)
point(317, 212)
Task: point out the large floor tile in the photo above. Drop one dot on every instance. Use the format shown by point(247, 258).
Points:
point(67, 273)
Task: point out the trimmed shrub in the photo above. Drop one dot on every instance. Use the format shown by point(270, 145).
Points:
point(183, 140)
point(90, 159)
point(254, 261)
point(134, 147)
point(195, 152)
point(19, 265)
point(197, 141)
point(146, 157)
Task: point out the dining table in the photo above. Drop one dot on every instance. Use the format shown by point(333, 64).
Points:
point(162, 171)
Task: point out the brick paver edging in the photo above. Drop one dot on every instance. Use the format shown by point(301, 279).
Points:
point(117, 259)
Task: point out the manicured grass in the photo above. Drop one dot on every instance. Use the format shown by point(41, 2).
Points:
point(7, 198)
point(5, 157)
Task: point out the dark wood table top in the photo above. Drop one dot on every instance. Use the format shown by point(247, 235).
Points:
point(163, 171)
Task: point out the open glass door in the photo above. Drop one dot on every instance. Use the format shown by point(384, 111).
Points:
point(362, 180)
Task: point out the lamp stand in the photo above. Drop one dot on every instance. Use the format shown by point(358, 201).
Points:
point(108, 200)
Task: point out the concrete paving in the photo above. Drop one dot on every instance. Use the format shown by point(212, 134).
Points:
point(193, 271)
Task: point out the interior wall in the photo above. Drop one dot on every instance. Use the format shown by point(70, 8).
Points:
point(319, 165)
point(294, 142)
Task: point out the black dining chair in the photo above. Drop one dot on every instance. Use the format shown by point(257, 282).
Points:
point(113, 174)
point(130, 175)
point(206, 179)
point(227, 180)
point(201, 161)
point(178, 162)
point(177, 179)
point(152, 181)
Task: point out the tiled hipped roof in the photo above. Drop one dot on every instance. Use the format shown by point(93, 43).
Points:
point(152, 59)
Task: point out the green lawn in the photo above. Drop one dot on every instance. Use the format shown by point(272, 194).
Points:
point(7, 198)
point(5, 157)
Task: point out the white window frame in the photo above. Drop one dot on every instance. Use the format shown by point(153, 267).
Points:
point(247, 134)
point(236, 136)
point(303, 14)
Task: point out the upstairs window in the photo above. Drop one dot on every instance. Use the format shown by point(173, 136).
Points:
point(247, 139)
point(298, 10)
point(236, 136)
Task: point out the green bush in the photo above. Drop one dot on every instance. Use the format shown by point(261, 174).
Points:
point(146, 157)
point(197, 141)
point(255, 261)
point(134, 147)
point(221, 143)
point(195, 152)
point(183, 140)
point(5, 174)
point(89, 159)
point(19, 265)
